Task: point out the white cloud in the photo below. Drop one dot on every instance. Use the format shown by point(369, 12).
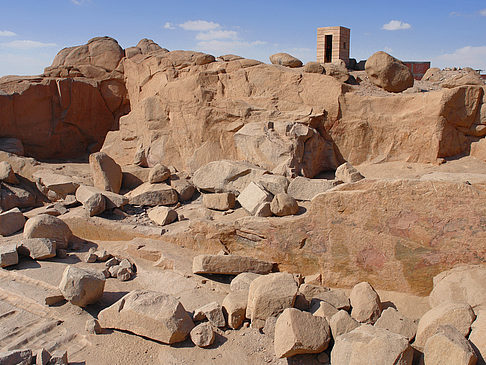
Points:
point(396, 25)
point(224, 47)
point(26, 44)
point(469, 56)
point(217, 34)
point(482, 12)
point(7, 33)
point(169, 25)
point(199, 25)
point(78, 2)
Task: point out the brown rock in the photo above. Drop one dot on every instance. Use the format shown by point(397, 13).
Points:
point(477, 337)
point(93, 201)
point(8, 255)
point(219, 201)
point(159, 173)
point(229, 265)
point(341, 323)
point(242, 281)
point(146, 313)
point(283, 204)
point(252, 197)
point(82, 286)
point(12, 145)
point(16, 357)
point(323, 309)
point(365, 303)
point(60, 185)
point(7, 174)
point(42, 357)
point(93, 326)
point(264, 210)
point(162, 215)
point(152, 195)
point(106, 173)
point(47, 226)
point(470, 78)
point(11, 221)
point(274, 184)
point(202, 335)
point(302, 188)
point(59, 358)
point(37, 248)
point(393, 321)
point(234, 307)
point(314, 67)
point(348, 173)
point(185, 189)
point(338, 71)
point(213, 312)
point(448, 347)
point(298, 332)
point(337, 298)
point(388, 73)
point(284, 59)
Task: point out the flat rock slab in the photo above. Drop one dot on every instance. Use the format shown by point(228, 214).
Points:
point(229, 265)
point(152, 195)
point(302, 188)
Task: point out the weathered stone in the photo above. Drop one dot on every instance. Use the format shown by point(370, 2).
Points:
point(459, 316)
point(159, 173)
point(371, 345)
point(7, 173)
point(37, 248)
point(90, 257)
point(365, 303)
point(124, 274)
point(229, 265)
point(274, 184)
point(8, 255)
point(348, 173)
point(162, 215)
point(337, 298)
point(252, 197)
point(242, 281)
point(393, 321)
point(11, 221)
point(112, 262)
point(16, 197)
point(315, 279)
point(302, 188)
point(298, 332)
point(213, 312)
point(226, 176)
point(185, 189)
point(146, 313)
point(388, 73)
point(264, 210)
point(106, 173)
point(338, 71)
point(464, 284)
point(12, 145)
point(219, 201)
point(314, 67)
point(47, 226)
point(202, 335)
point(42, 357)
point(152, 195)
point(59, 358)
point(448, 347)
point(478, 336)
point(82, 286)
point(269, 295)
point(342, 323)
point(283, 204)
point(93, 326)
point(234, 306)
point(92, 199)
point(284, 59)
point(48, 181)
point(16, 357)
point(102, 255)
point(323, 309)
point(114, 270)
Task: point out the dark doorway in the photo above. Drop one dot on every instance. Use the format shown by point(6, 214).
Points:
point(328, 49)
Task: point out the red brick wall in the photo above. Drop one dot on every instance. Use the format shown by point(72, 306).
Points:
point(418, 69)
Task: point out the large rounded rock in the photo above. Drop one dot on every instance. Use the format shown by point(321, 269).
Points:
point(448, 347)
point(284, 59)
point(202, 335)
point(11, 221)
point(388, 73)
point(365, 302)
point(158, 316)
point(82, 286)
point(283, 204)
point(37, 248)
point(48, 226)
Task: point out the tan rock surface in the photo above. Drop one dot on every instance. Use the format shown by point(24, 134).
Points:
point(11, 221)
point(365, 303)
point(47, 226)
point(284, 59)
point(152, 195)
point(107, 174)
point(342, 323)
point(219, 201)
point(234, 306)
point(448, 347)
point(229, 265)
point(477, 337)
point(393, 321)
point(388, 73)
point(82, 286)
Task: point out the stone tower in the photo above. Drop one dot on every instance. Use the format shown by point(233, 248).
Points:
point(333, 44)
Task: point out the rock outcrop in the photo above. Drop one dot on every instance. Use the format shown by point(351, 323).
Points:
point(388, 73)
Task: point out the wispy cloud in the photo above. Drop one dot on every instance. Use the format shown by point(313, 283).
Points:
point(396, 25)
point(474, 57)
point(80, 2)
point(169, 25)
point(199, 25)
point(217, 34)
point(26, 44)
point(7, 33)
point(482, 12)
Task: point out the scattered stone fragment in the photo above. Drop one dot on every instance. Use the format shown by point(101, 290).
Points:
point(54, 186)
point(342, 323)
point(315, 279)
point(158, 316)
point(106, 273)
point(8, 255)
point(93, 200)
point(53, 297)
point(478, 335)
point(393, 321)
point(274, 184)
point(323, 309)
point(365, 303)
point(16, 357)
point(448, 347)
point(459, 316)
point(124, 274)
point(113, 270)
point(284, 59)
point(298, 332)
point(229, 265)
point(82, 286)
point(93, 326)
point(47, 226)
point(269, 295)
point(337, 70)
point(102, 255)
point(59, 358)
point(371, 345)
point(184, 188)
point(202, 335)
point(37, 248)
point(152, 195)
point(162, 215)
point(11, 221)
point(336, 297)
point(348, 173)
point(7, 174)
point(213, 312)
point(264, 210)
point(283, 204)
point(252, 197)
point(219, 201)
point(90, 257)
point(313, 67)
point(242, 281)
point(159, 173)
point(42, 357)
point(234, 306)
point(106, 173)
point(302, 188)
point(125, 263)
point(112, 262)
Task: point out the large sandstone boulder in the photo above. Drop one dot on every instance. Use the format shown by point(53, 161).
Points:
point(286, 148)
point(158, 316)
point(284, 59)
point(54, 186)
point(106, 173)
point(365, 302)
point(219, 201)
point(393, 321)
point(8, 255)
point(371, 345)
point(342, 323)
point(82, 286)
point(229, 265)
point(347, 173)
point(242, 281)
point(252, 197)
point(152, 195)
point(47, 226)
point(269, 295)
point(92, 199)
point(202, 335)
point(37, 248)
point(11, 221)
point(448, 347)
point(478, 336)
point(283, 204)
point(388, 73)
point(302, 188)
point(234, 307)
point(298, 332)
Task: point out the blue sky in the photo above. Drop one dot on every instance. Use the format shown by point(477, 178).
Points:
point(448, 33)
